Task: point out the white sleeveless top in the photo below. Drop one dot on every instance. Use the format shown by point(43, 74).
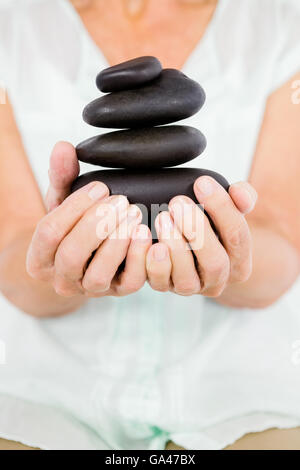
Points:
point(135, 372)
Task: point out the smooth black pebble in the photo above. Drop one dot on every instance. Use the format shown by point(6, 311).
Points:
point(169, 98)
point(128, 75)
point(151, 189)
point(149, 148)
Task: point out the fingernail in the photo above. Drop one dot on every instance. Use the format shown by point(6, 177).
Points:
point(180, 206)
point(160, 252)
point(52, 174)
point(254, 196)
point(251, 195)
point(98, 191)
point(182, 200)
point(165, 222)
point(119, 202)
point(204, 186)
point(141, 233)
point(133, 213)
point(252, 200)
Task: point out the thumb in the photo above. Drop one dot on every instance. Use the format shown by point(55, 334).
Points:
point(64, 169)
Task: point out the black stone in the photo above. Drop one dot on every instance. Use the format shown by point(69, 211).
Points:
point(128, 75)
point(149, 148)
point(169, 98)
point(151, 189)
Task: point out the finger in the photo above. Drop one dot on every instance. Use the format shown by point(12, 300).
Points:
point(244, 196)
point(110, 255)
point(159, 267)
point(184, 275)
point(93, 228)
point(64, 288)
point(134, 275)
point(53, 228)
point(64, 169)
point(212, 260)
point(230, 224)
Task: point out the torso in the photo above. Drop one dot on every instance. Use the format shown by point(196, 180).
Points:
point(169, 30)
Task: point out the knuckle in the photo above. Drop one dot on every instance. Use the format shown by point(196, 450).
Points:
point(152, 270)
point(185, 288)
point(96, 284)
point(133, 285)
point(63, 291)
point(159, 287)
point(238, 236)
point(32, 267)
point(218, 268)
point(66, 260)
point(241, 272)
point(214, 292)
point(36, 271)
point(47, 232)
point(33, 271)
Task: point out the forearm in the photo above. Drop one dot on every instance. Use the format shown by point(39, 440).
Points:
point(33, 297)
point(276, 265)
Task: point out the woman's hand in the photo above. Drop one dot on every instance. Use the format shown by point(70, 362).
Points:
point(190, 258)
point(80, 244)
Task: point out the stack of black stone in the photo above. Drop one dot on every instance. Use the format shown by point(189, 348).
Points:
point(142, 98)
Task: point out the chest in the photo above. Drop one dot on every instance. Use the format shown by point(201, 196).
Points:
point(171, 35)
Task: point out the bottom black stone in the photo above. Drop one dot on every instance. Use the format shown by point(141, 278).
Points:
point(150, 190)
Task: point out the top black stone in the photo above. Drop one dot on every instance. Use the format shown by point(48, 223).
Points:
point(129, 75)
point(169, 98)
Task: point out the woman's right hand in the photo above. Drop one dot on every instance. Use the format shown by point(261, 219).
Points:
point(80, 244)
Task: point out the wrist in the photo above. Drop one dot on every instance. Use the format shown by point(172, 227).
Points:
point(276, 266)
point(37, 298)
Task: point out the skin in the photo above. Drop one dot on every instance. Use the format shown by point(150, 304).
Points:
point(169, 30)
point(41, 269)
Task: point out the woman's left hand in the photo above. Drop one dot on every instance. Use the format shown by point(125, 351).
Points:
point(185, 231)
